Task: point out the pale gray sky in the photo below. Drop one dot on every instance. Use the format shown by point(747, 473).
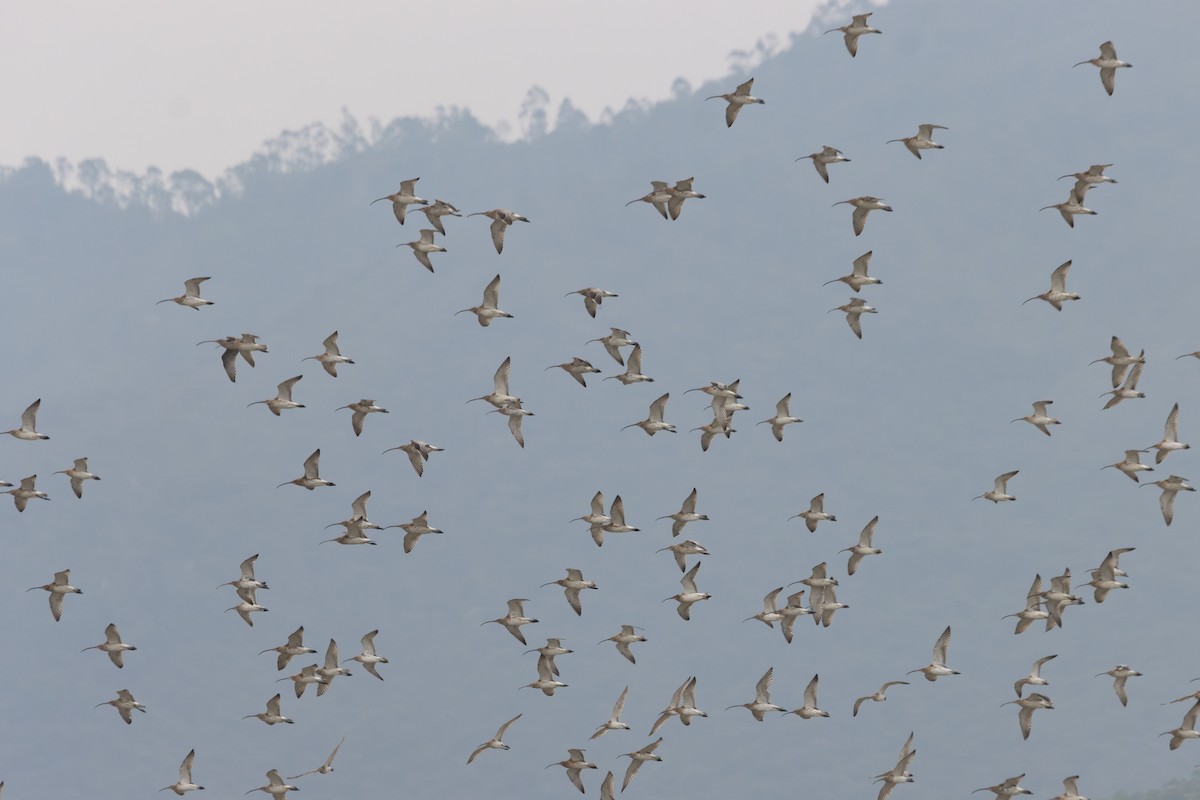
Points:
point(207, 83)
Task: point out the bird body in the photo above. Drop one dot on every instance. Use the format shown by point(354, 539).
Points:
point(862, 206)
point(923, 140)
point(112, 646)
point(403, 198)
point(60, 588)
point(332, 355)
point(501, 219)
point(125, 705)
point(1108, 63)
point(858, 26)
point(423, 247)
point(822, 160)
point(654, 423)
point(514, 619)
point(623, 639)
point(418, 453)
point(999, 492)
point(1058, 293)
point(496, 742)
point(311, 478)
point(191, 295)
point(489, 309)
point(937, 665)
point(369, 658)
point(282, 400)
point(25, 492)
point(28, 431)
point(736, 99)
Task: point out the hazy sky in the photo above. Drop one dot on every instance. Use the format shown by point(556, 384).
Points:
point(208, 83)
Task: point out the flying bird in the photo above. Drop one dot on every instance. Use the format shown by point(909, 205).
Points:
point(614, 722)
point(574, 764)
point(275, 786)
point(1108, 64)
point(125, 704)
point(500, 395)
point(1121, 673)
point(418, 453)
point(191, 295)
point(761, 704)
point(368, 657)
point(294, 646)
point(686, 513)
point(184, 784)
point(858, 276)
point(1040, 418)
point(658, 196)
point(325, 768)
point(435, 211)
point(489, 309)
point(311, 478)
point(423, 247)
point(809, 710)
point(862, 206)
point(272, 715)
point(332, 355)
point(815, 513)
point(60, 588)
point(623, 639)
point(854, 311)
point(999, 492)
point(592, 296)
point(878, 697)
point(501, 219)
point(572, 585)
point(1128, 389)
point(682, 190)
point(615, 340)
point(857, 27)
point(496, 742)
point(1034, 678)
point(639, 757)
point(1171, 486)
point(923, 140)
point(26, 492)
point(633, 369)
point(822, 160)
point(1170, 441)
point(690, 594)
point(514, 619)
point(282, 400)
point(864, 548)
point(1058, 293)
point(1120, 360)
point(112, 645)
point(360, 411)
point(576, 368)
point(78, 474)
point(247, 344)
point(1029, 703)
point(937, 666)
point(28, 430)
point(736, 99)
point(654, 423)
point(402, 199)
point(1072, 207)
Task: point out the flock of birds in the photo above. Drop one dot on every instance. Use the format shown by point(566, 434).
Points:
point(817, 599)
